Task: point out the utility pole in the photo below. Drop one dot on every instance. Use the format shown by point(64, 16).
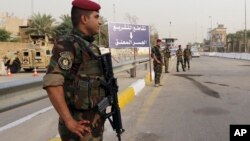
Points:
point(195, 37)
point(32, 7)
point(202, 34)
point(114, 12)
point(245, 31)
point(170, 29)
point(210, 35)
point(211, 22)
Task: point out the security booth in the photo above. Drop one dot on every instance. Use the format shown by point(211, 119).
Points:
point(171, 41)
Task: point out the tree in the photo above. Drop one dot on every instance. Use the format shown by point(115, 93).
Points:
point(41, 24)
point(153, 35)
point(63, 28)
point(230, 41)
point(239, 36)
point(4, 35)
point(132, 19)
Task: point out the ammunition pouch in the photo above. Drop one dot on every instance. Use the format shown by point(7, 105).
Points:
point(88, 93)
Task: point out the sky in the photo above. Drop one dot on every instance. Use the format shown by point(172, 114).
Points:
point(190, 19)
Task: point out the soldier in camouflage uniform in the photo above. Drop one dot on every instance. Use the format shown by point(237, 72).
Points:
point(179, 55)
point(167, 56)
point(156, 55)
point(187, 57)
point(73, 77)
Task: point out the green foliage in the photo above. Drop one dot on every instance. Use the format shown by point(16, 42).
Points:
point(239, 35)
point(4, 35)
point(41, 24)
point(153, 35)
point(64, 27)
point(15, 39)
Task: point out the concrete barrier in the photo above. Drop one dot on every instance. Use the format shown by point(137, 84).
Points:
point(2, 68)
point(241, 56)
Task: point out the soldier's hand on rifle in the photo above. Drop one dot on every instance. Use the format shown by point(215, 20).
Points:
point(78, 127)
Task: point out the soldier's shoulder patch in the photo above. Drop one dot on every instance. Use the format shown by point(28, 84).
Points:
point(65, 60)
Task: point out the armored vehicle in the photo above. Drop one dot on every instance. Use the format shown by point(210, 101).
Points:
point(36, 55)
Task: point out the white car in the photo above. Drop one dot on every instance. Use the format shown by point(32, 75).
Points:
point(195, 52)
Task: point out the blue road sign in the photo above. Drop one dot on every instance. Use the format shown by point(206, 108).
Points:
point(128, 35)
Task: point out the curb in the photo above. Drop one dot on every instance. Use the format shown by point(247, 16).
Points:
point(127, 95)
point(2, 68)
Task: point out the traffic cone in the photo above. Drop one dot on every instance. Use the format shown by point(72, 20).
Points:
point(9, 72)
point(35, 72)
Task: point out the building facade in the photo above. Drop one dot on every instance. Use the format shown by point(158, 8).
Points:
point(218, 39)
point(11, 23)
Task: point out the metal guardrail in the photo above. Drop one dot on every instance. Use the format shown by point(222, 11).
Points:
point(129, 65)
point(11, 89)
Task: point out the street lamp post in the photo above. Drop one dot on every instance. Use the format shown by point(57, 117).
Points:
point(211, 22)
point(210, 35)
point(114, 12)
point(245, 31)
point(32, 7)
point(170, 29)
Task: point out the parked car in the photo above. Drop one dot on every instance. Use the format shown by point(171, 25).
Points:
point(195, 52)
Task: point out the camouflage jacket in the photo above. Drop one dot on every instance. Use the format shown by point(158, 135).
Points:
point(156, 51)
point(166, 52)
point(187, 53)
point(179, 54)
point(70, 66)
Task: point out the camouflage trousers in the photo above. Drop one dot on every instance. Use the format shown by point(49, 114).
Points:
point(158, 71)
point(96, 126)
point(182, 65)
point(166, 63)
point(186, 61)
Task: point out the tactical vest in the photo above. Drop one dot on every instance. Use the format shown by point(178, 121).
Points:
point(179, 54)
point(187, 53)
point(156, 52)
point(88, 92)
point(166, 53)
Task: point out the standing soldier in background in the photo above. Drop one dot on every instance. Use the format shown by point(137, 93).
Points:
point(167, 56)
point(179, 55)
point(71, 79)
point(187, 57)
point(156, 55)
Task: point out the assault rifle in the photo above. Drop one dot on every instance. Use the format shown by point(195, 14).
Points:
point(111, 88)
point(109, 84)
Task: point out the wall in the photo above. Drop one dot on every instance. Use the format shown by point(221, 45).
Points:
point(9, 46)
